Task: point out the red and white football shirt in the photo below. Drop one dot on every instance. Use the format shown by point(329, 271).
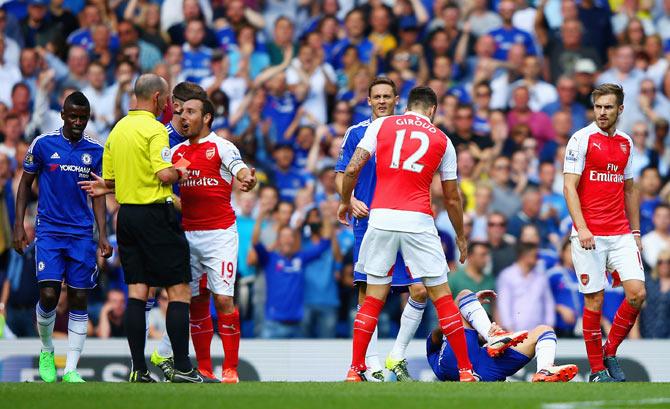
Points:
point(604, 163)
point(409, 150)
point(205, 195)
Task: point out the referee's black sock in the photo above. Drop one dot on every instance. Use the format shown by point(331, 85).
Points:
point(136, 332)
point(177, 325)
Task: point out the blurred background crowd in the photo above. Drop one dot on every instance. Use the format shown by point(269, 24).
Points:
point(287, 77)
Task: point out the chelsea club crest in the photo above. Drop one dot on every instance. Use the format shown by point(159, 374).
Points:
point(86, 159)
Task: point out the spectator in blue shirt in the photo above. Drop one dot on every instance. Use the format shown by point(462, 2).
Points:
point(287, 178)
point(507, 35)
point(355, 26)
point(284, 270)
point(565, 288)
point(650, 184)
point(321, 274)
point(567, 102)
point(196, 63)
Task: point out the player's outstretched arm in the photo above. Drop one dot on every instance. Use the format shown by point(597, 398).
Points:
point(22, 194)
point(570, 183)
point(360, 158)
point(97, 186)
point(247, 178)
point(631, 198)
point(454, 206)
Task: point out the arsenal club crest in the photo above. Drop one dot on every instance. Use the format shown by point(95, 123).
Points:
point(624, 148)
point(209, 153)
point(584, 278)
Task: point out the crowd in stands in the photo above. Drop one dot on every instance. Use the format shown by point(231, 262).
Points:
point(288, 77)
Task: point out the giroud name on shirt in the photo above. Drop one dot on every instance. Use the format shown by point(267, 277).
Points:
point(604, 163)
point(408, 150)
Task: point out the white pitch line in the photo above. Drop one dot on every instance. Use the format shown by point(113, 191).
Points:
point(604, 403)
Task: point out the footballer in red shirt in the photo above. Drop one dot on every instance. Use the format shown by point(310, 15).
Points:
point(408, 150)
point(605, 210)
point(209, 224)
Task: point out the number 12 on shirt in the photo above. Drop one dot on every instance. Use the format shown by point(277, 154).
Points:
point(411, 162)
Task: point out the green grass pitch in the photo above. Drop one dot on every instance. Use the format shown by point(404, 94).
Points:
point(276, 395)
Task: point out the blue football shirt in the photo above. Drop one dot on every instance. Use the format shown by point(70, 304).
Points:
point(62, 206)
point(367, 179)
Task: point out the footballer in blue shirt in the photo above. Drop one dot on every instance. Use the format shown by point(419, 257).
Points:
point(64, 245)
point(383, 98)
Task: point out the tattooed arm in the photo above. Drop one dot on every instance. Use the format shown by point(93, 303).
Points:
point(360, 158)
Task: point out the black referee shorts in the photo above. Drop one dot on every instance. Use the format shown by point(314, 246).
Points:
point(152, 245)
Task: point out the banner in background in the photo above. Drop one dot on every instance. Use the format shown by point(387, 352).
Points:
point(305, 360)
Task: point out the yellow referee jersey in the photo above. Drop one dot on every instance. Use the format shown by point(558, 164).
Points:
point(136, 149)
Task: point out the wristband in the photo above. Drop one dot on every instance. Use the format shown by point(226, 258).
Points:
point(635, 232)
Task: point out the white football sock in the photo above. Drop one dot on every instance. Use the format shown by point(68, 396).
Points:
point(165, 347)
point(77, 326)
point(45, 327)
point(545, 350)
point(409, 323)
point(147, 309)
point(475, 315)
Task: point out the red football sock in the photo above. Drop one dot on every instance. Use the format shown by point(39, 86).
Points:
point(593, 339)
point(202, 332)
point(364, 326)
point(623, 321)
point(452, 327)
point(229, 330)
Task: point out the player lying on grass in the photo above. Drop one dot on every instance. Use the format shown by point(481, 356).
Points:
point(504, 354)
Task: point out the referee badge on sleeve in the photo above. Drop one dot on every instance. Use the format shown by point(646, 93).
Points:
point(165, 154)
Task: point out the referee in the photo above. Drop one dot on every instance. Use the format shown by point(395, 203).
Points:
point(154, 252)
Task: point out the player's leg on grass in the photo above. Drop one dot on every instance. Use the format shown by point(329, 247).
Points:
point(541, 343)
point(77, 328)
point(365, 322)
point(409, 323)
point(451, 323)
point(229, 331)
point(202, 331)
point(162, 355)
point(46, 317)
point(135, 321)
point(374, 367)
point(624, 320)
point(592, 333)
point(473, 312)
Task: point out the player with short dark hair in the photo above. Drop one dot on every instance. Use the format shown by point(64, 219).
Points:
point(382, 97)
point(211, 231)
point(65, 249)
point(408, 151)
point(605, 208)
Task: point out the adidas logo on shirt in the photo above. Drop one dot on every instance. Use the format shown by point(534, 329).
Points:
point(55, 156)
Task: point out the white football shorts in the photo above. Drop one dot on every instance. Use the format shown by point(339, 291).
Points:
point(214, 254)
point(422, 252)
point(617, 255)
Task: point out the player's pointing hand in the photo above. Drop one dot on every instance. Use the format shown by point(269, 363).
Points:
point(95, 187)
point(343, 213)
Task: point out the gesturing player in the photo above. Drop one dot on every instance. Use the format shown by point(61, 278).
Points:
point(604, 205)
point(496, 361)
point(209, 223)
point(162, 356)
point(409, 149)
point(382, 97)
point(65, 248)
